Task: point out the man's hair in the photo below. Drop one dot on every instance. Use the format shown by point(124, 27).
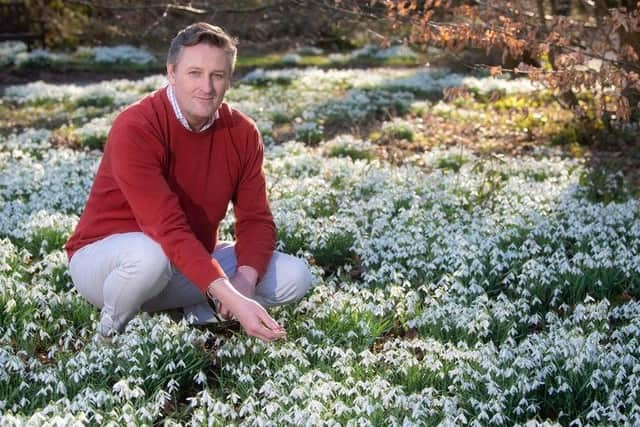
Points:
point(203, 32)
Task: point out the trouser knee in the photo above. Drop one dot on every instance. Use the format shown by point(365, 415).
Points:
point(301, 278)
point(148, 267)
point(143, 272)
point(287, 280)
point(297, 283)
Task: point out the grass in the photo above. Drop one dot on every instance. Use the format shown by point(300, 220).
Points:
point(452, 162)
point(244, 63)
point(85, 65)
point(353, 153)
point(275, 60)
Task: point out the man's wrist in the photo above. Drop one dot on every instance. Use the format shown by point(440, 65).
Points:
point(214, 287)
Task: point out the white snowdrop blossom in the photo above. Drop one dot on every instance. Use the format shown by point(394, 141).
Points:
point(120, 53)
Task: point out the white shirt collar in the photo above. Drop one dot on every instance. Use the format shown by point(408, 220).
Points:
point(176, 109)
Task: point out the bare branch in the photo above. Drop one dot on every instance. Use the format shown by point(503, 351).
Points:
point(192, 7)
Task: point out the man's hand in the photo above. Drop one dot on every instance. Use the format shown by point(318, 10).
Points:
point(252, 316)
point(245, 282)
point(256, 321)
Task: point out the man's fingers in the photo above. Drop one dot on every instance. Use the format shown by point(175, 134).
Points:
point(271, 328)
point(267, 335)
point(270, 323)
point(261, 330)
point(254, 319)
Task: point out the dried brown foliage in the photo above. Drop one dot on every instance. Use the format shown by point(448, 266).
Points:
point(568, 46)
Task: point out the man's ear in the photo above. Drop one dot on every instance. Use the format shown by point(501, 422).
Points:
point(171, 73)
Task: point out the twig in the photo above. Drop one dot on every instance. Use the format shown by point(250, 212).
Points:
point(193, 8)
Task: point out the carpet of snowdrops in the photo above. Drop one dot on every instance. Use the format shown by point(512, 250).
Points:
point(451, 289)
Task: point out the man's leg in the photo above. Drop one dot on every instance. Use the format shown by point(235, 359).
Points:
point(181, 293)
point(287, 280)
point(118, 274)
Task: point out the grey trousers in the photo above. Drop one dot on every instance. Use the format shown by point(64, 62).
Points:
point(128, 272)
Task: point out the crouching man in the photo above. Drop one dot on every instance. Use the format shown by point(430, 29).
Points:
point(147, 238)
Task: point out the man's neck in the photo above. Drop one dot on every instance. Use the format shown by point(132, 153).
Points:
point(199, 126)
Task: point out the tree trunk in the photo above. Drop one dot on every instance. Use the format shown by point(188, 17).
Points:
point(566, 98)
point(561, 7)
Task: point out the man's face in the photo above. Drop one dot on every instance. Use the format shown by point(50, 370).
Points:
point(200, 77)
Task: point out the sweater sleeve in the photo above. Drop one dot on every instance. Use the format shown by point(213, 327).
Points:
point(137, 158)
point(254, 229)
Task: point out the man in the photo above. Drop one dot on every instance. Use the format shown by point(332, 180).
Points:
point(173, 161)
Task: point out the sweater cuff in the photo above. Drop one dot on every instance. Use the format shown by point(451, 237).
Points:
point(204, 278)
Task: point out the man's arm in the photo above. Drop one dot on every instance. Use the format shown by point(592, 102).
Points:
point(254, 229)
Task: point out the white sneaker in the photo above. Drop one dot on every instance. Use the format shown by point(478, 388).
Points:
point(200, 314)
point(105, 326)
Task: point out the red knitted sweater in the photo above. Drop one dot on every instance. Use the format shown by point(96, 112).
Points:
point(175, 185)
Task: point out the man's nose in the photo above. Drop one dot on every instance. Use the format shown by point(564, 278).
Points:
point(207, 85)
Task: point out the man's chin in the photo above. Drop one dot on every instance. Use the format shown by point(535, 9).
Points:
point(205, 114)
point(208, 111)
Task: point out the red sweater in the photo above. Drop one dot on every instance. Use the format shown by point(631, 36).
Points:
point(175, 185)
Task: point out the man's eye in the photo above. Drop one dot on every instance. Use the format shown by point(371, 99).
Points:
point(194, 73)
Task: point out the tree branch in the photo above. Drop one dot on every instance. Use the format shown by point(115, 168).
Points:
point(193, 8)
